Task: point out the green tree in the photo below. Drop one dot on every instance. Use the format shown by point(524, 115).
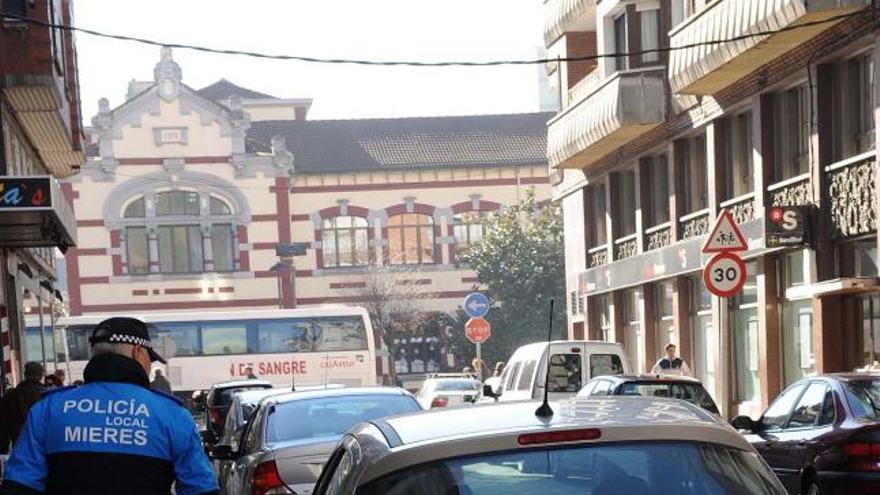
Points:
point(520, 263)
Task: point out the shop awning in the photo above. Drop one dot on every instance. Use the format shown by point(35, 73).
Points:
point(35, 213)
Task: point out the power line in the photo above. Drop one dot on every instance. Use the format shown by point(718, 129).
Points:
point(411, 63)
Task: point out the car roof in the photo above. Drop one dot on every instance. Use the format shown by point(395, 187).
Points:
point(254, 396)
point(477, 420)
point(853, 375)
point(334, 392)
point(241, 383)
point(649, 378)
point(474, 430)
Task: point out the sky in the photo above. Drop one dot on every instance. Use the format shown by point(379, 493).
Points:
point(423, 30)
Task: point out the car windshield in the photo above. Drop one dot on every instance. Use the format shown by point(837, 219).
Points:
point(331, 416)
point(691, 392)
point(633, 468)
point(864, 398)
point(463, 384)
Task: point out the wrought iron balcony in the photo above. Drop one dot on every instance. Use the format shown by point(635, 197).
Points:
point(706, 69)
point(618, 110)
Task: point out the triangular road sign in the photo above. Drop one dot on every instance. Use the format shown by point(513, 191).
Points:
point(725, 236)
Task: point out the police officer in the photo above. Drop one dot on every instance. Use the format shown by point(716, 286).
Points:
point(112, 435)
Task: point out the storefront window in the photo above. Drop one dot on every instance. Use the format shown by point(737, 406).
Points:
point(866, 259)
point(705, 346)
point(633, 329)
point(603, 303)
point(870, 329)
point(796, 319)
point(665, 323)
point(744, 321)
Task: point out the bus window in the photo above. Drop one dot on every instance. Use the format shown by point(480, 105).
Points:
point(313, 334)
point(276, 336)
point(224, 337)
point(35, 347)
point(78, 342)
point(185, 335)
point(341, 333)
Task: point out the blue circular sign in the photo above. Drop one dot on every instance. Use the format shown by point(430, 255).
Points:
point(476, 305)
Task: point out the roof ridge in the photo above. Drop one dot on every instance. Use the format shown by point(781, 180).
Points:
point(411, 117)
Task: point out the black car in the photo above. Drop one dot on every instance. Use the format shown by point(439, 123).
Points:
point(822, 435)
point(666, 386)
point(219, 398)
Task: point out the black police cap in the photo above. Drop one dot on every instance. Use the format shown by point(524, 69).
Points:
point(123, 330)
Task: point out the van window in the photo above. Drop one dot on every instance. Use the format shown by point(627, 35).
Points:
point(525, 378)
point(605, 364)
point(511, 378)
point(565, 373)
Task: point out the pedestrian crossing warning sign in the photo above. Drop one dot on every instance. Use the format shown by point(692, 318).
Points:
point(725, 236)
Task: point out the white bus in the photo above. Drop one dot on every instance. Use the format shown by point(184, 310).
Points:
point(330, 344)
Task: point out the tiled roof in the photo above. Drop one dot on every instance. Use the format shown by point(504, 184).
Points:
point(408, 143)
point(223, 89)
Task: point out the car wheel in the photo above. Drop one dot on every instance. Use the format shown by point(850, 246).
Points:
point(813, 488)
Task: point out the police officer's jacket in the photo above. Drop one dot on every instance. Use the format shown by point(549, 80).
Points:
point(112, 435)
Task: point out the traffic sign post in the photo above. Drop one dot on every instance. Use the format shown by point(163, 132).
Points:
point(476, 305)
point(725, 274)
point(478, 331)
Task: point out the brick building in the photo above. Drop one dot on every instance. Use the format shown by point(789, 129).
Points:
point(41, 140)
point(187, 193)
point(649, 147)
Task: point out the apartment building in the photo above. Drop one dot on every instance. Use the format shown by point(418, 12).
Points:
point(41, 141)
point(693, 116)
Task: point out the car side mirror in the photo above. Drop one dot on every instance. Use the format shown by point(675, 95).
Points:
point(489, 392)
point(744, 423)
point(223, 453)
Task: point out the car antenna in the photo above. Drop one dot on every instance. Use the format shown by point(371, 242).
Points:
point(545, 411)
point(293, 378)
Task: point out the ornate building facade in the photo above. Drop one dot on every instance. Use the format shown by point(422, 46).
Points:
point(187, 195)
point(649, 147)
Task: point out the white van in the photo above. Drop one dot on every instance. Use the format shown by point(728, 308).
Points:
point(572, 364)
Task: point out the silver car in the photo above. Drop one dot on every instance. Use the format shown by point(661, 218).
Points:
point(289, 437)
point(608, 446)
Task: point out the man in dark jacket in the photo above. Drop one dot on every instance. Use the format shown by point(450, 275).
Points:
point(161, 383)
point(112, 435)
point(16, 404)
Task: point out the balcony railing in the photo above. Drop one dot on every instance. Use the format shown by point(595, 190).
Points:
point(791, 192)
point(619, 109)
point(852, 190)
point(626, 247)
point(741, 207)
point(694, 224)
point(563, 15)
point(584, 87)
point(704, 69)
point(597, 256)
point(658, 237)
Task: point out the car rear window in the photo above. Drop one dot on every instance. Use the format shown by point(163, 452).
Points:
point(674, 468)
point(223, 397)
point(463, 385)
point(332, 416)
point(691, 392)
point(864, 398)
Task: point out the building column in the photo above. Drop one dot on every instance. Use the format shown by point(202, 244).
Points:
point(207, 248)
point(594, 329)
point(828, 317)
point(153, 244)
point(681, 318)
point(824, 246)
point(769, 330)
point(648, 317)
point(876, 57)
point(617, 317)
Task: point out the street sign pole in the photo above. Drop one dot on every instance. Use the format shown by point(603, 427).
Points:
point(479, 361)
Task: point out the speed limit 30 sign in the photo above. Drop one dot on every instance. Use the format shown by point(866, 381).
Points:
point(725, 274)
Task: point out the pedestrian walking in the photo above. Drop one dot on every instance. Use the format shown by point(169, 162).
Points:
point(499, 368)
point(671, 364)
point(113, 434)
point(160, 383)
point(18, 402)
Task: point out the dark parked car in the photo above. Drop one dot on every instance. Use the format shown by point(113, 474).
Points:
point(220, 397)
point(822, 435)
point(670, 387)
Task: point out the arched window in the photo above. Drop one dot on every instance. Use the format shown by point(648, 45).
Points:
point(467, 227)
point(180, 229)
point(345, 241)
point(410, 239)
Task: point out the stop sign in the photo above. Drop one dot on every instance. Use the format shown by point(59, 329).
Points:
point(477, 330)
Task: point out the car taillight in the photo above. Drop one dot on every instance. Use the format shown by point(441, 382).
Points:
point(863, 456)
point(439, 402)
point(214, 413)
point(267, 481)
point(559, 436)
